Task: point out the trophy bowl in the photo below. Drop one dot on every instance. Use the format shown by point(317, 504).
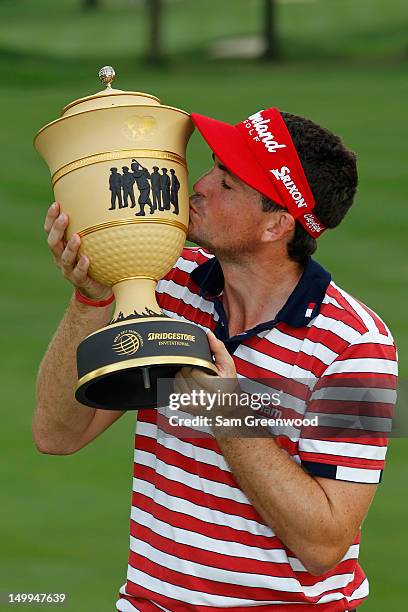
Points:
point(118, 169)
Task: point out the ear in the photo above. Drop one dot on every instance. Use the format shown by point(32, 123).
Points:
point(280, 225)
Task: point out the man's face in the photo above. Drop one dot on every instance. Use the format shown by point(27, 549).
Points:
point(226, 216)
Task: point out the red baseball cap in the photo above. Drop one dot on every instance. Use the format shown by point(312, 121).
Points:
point(261, 153)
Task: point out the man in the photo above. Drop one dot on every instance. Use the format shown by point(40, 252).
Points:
point(165, 189)
point(115, 186)
point(155, 180)
point(127, 184)
point(174, 189)
point(141, 176)
point(239, 522)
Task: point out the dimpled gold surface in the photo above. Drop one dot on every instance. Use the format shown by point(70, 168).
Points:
point(132, 250)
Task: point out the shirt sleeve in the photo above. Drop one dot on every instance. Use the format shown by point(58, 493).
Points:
point(177, 293)
point(349, 415)
point(173, 285)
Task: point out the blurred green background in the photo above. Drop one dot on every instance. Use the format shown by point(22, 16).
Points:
point(343, 64)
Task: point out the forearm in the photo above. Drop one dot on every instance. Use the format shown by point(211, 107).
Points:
point(59, 419)
point(316, 518)
point(291, 502)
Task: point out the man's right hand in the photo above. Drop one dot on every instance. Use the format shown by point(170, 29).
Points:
point(61, 425)
point(65, 254)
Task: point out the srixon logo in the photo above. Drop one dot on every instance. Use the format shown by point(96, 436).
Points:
point(284, 175)
point(312, 223)
point(260, 125)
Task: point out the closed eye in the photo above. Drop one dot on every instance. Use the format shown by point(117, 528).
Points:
point(224, 184)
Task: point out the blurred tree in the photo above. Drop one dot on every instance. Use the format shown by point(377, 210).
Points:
point(269, 30)
point(155, 52)
point(91, 4)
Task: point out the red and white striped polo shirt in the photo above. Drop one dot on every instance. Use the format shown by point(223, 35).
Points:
point(196, 542)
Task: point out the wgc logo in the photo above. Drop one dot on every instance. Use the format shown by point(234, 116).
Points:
point(127, 342)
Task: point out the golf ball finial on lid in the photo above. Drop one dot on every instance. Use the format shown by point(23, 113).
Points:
point(106, 75)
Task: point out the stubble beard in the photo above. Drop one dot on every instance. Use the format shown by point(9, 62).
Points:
point(225, 249)
point(199, 241)
point(241, 250)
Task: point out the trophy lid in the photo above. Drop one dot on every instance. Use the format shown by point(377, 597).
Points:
point(112, 120)
point(108, 97)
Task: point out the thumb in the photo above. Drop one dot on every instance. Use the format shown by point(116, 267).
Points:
point(223, 359)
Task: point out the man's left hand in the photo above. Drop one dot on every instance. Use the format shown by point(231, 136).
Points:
point(190, 379)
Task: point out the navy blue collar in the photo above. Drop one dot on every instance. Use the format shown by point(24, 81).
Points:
point(302, 305)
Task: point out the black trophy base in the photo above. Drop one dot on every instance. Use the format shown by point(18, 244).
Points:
point(119, 365)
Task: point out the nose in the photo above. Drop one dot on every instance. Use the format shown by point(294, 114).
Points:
point(201, 185)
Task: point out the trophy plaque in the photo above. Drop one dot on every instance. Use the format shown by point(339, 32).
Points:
point(118, 168)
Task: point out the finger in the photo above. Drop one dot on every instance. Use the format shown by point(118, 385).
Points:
point(52, 214)
point(70, 253)
point(178, 386)
point(199, 377)
point(185, 372)
point(79, 275)
point(180, 383)
point(56, 235)
point(211, 384)
point(191, 383)
point(223, 359)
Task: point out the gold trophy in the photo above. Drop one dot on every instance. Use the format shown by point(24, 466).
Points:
point(118, 168)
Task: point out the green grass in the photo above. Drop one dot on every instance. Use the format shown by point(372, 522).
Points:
point(65, 525)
